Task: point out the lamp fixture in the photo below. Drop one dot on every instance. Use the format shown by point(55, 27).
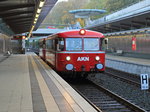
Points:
point(37, 15)
point(39, 10)
point(41, 3)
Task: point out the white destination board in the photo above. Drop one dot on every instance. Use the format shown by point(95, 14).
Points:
point(144, 82)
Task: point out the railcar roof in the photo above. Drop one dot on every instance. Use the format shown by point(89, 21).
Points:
point(75, 33)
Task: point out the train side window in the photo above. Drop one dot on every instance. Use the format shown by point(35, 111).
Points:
point(53, 44)
point(60, 45)
point(106, 40)
point(49, 44)
point(40, 44)
point(104, 43)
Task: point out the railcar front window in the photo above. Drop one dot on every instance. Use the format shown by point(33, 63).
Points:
point(91, 44)
point(73, 44)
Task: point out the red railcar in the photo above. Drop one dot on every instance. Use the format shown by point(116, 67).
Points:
point(74, 51)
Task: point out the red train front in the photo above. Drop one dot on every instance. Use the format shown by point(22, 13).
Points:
point(75, 50)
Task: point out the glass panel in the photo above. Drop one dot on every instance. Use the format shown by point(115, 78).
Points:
point(49, 44)
point(91, 44)
point(60, 44)
point(73, 44)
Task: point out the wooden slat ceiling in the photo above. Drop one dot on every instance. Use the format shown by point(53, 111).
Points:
point(19, 14)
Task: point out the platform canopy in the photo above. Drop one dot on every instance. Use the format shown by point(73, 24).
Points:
point(19, 15)
point(86, 13)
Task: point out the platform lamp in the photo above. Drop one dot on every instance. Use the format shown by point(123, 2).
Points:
point(41, 4)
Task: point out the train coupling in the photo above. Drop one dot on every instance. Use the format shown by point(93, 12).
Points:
point(83, 67)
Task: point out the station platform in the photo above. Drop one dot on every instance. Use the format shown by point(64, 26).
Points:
point(128, 64)
point(27, 84)
point(2, 57)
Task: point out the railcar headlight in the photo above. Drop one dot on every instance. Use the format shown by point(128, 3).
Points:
point(68, 58)
point(69, 67)
point(97, 58)
point(99, 66)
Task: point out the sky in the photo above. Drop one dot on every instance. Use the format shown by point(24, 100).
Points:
point(62, 0)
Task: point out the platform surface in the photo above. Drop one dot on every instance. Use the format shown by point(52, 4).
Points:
point(15, 90)
point(129, 60)
point(27, 84)
point(135, 66)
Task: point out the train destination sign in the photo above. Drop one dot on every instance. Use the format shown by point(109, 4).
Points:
point(144, 81)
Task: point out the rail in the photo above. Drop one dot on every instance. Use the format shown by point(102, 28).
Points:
point(103, 98)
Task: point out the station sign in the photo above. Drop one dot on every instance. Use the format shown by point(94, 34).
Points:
point(144, 81)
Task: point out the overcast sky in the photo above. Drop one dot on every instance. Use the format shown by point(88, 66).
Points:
point(62, 0)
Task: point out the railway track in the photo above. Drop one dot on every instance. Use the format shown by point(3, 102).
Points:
point(104, 99)
point(129, 78)
point(125, 85)
point(126, 77)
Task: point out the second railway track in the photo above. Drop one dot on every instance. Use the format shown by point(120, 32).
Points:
point(104, 99)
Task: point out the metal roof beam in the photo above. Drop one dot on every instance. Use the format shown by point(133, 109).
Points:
point(21, 15)
point(20, 28)
point(15, 6)
point(103, 29)
point(128, 25)
point(21, 19)
point(115, 27)
point(18, 17)
point(16, 13)
point(125, 28)
point(21, 23)
point(138, 22)
point(125, 25)
point(133, 26)
point(3, 0)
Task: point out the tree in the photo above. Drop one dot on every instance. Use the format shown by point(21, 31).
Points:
point(60, 13)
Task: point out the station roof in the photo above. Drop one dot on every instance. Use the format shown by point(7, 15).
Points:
point(133, 17)
point(137, 21)
point(85, 13)
point(19, 15)
point(45, 32)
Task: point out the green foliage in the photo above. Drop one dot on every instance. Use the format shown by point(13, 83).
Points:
point(113, 5)
point(60, 13)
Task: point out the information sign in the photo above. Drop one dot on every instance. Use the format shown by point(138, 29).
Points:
point(144, 82)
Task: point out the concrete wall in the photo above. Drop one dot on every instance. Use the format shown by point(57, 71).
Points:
point(124, 43)
point(4, 45)
point(128, 67)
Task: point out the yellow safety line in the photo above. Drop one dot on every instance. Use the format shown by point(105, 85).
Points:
point(67, 96)
point(49, 101)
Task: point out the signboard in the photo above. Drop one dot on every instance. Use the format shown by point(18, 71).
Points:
point(144, 81)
